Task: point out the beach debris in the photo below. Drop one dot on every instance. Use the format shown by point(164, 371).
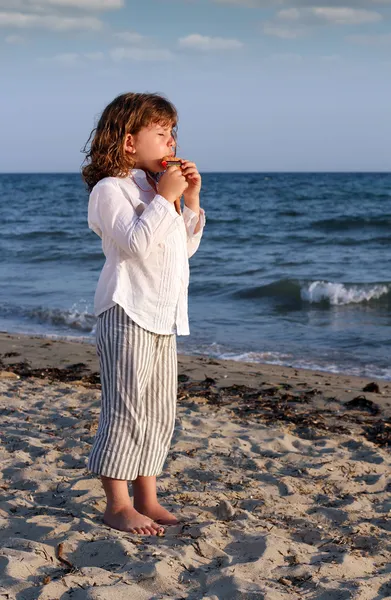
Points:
point(372, 387)
point(362, 403)
point(9, 375)
point(60, 557)
point(225, 511)
point(379, 433)
point(77, 372)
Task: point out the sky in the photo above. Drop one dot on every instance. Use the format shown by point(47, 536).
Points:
point(260, 85)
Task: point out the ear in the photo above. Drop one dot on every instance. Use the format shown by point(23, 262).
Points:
point(129, 144)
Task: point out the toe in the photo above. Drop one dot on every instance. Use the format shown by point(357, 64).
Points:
point(151, 530)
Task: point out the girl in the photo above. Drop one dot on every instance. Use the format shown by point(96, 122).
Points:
point(141, 298)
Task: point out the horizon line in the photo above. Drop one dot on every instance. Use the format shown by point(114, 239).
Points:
point(274, 171)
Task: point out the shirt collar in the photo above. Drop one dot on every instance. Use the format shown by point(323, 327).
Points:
point(138, 174)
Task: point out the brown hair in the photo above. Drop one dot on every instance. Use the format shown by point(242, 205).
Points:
point(128, 113)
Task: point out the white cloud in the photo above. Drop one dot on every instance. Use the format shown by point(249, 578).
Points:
point(81, 4)
point(335, 15)
point(66, 59)
point(204, 43)
point(287, 57)
point(43, 5)
point(130, 37)
point(14, 39)
point(303, 3)
point(51, 22)
point(74, 59)
point(249, 3)
point(283, 32)
point(379, 39)
point(294, 22)
point(94, 55)
point(140, 54)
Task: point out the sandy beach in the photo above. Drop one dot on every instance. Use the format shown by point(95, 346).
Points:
point(281, 478)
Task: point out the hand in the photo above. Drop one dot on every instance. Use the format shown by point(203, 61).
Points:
point(172, 184)
point(193, 178)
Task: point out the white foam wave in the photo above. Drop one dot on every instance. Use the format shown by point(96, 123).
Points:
point(218, 352)
point(73, 318)
point(339, 294)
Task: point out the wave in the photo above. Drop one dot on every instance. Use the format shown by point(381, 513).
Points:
point(349, 223)
point(318, 292)
point(338, 294)
point(322, 364)
point(72, 318)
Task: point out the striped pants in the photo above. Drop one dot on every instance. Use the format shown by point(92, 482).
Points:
point(138, 372)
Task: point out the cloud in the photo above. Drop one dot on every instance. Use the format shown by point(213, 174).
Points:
point(287, 57)
point(303, 3)
point(334, 15)
point(283, 32)
point(248, 3)
point(43, 5)
point(130, 37)
point(69, 59)
point(52, 22)
point(292, 23)
point(140, 54)
point(379, 39)
point(94, 55)
point(14, 39)
point(81, 4)
point(204, 43)
point(74, 59)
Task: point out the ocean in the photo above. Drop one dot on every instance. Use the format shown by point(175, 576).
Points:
point(293, 269)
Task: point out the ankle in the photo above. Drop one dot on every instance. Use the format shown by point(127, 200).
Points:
point(146, 502)
point(117, 507)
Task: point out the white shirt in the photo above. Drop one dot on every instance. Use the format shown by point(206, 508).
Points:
point(147, 245)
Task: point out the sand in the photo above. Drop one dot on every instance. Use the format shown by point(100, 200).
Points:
point(283, 487)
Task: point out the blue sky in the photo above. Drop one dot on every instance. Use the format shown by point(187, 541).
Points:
point(260, 85)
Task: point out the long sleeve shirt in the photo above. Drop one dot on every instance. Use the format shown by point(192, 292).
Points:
point(147, 246)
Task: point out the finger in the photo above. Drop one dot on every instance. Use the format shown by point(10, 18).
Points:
point(189, 168)
point(190, 171)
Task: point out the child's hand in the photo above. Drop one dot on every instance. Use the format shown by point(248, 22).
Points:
point(172, 184)
point(193, 178)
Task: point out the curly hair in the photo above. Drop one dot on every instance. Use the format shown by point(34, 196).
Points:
point(128, 113)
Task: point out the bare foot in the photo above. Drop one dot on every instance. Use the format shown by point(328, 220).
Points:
point(129, 519)
point(157, 513)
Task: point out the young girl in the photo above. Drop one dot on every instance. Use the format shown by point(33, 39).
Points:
point(141, 298)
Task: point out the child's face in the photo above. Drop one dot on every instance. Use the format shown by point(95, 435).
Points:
point(151, 144)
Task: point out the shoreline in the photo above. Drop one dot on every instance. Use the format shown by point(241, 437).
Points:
point(56, 352)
